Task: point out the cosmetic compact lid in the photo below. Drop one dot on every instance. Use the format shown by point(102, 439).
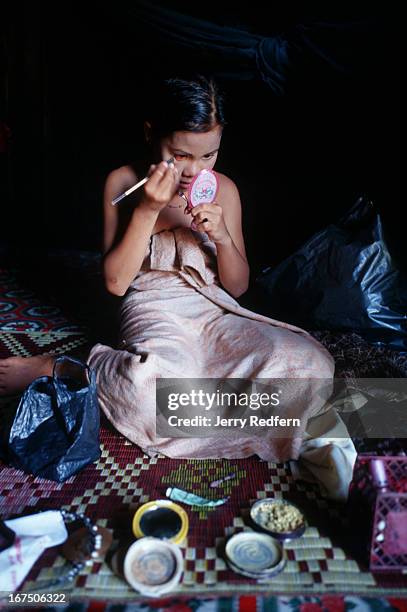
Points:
point(153, 566)
point(163, 519)
point(203, 188)
point(279, 518)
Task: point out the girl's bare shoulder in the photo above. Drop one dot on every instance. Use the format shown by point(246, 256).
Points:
point(125, 176)
point(228, 193)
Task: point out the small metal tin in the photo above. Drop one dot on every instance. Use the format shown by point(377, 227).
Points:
point(255, 555)
point(161, 518)
point(258, 510)
point(153, 566)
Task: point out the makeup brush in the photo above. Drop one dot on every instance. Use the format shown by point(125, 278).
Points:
point(136, 186)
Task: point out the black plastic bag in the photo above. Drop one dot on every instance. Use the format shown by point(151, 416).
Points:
point(343, 279)
point(55, 430)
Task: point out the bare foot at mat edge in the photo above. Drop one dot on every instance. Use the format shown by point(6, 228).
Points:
point(16, 373)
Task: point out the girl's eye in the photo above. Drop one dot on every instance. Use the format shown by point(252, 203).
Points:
point(180, 156)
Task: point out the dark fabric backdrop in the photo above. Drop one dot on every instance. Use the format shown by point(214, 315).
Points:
point(313, 97)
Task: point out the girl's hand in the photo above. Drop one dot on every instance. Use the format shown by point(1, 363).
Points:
point(208, 218)
point(160, 187)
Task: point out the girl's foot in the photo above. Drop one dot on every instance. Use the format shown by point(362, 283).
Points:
point(16, 373)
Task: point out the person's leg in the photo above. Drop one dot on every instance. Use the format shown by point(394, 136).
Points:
point(247, 349)
point(240, 347)
point(126, 377)
point(16, 373)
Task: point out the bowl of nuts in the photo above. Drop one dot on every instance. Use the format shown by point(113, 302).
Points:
point(279, 518)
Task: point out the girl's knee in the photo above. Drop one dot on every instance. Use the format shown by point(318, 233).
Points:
point(324, 363)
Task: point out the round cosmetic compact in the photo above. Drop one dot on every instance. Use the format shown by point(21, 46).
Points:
point(203, 188)
point(163, 519)
point(279, 518)
point(153, 566)
point(255, 555)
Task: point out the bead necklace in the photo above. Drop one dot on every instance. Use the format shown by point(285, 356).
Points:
point(96, 541)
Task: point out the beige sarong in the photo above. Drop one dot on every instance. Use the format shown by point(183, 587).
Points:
point(178, 322)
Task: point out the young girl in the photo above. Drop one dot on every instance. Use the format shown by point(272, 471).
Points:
point(179, 316)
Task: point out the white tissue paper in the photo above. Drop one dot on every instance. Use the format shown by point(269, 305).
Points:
point(34, 533)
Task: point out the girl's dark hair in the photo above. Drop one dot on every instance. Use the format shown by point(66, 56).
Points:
point(188, 105)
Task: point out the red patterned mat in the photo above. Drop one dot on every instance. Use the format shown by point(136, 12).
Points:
point(112, 489)
point(31, 326)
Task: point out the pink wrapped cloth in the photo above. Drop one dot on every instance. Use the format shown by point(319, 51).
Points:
point(177, 322)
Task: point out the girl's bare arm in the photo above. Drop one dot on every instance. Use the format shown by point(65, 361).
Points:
point(123, 257)
point(233, 268)
point(222, 221)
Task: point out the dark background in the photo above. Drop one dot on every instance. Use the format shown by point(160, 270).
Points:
point(73, 81)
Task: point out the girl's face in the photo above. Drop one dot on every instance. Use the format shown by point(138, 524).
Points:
point(192, 152)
